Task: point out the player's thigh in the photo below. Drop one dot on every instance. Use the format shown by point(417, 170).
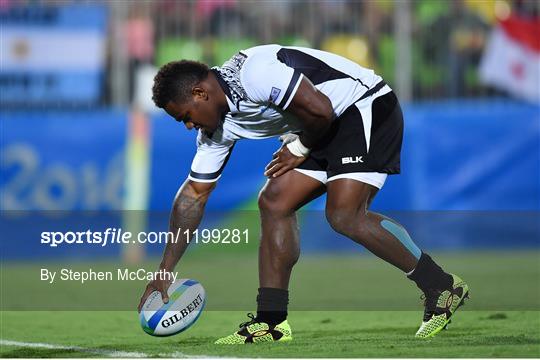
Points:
point(348, 197)
point(289, 192)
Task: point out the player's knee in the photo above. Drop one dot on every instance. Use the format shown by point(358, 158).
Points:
point(339, 219)
point(344, 221)
point(266, 202)
point(270, 202)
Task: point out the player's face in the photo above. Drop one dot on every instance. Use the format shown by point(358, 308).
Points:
point(198, 113)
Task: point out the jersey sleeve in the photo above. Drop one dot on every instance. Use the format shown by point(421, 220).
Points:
point(269, 81)
point(210, 159)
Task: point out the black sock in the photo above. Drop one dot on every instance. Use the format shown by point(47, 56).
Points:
point(272, 305)
point(429, 276)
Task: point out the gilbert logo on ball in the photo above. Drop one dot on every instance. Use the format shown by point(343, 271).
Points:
point(186, 302)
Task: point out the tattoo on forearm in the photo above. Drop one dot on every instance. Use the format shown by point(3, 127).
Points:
point(186, 214)
point(190, 207)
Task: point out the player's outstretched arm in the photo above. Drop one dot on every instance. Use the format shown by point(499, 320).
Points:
point(316, 113)
point(186, 213)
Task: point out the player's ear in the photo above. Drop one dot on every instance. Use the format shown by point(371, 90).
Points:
point(199, 93)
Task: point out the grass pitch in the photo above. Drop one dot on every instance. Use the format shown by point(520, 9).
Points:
point(339, 309)
point(316, 334)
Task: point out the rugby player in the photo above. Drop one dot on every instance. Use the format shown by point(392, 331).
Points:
point(344, 130)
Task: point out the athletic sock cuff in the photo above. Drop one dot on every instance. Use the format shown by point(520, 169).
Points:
point(428, 275)
point(272, 305)
point(272, 299)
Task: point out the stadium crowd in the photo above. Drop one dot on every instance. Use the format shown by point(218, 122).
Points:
point(449, 37)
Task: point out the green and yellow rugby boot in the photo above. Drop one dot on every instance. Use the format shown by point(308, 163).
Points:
point(255, 331)
point(440, 305)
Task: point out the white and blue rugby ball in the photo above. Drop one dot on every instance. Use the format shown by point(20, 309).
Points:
point(186, 303)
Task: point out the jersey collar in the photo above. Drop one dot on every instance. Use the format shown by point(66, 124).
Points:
point(226, 90)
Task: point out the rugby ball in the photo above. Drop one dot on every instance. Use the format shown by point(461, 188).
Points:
point(186, 302)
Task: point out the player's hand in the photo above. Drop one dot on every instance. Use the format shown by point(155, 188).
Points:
point(282, 161)
point(288, 138)
point(155, 285)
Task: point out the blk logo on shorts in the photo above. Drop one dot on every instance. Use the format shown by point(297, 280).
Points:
point(351, 160)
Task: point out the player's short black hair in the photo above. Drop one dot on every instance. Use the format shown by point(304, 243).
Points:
point(174, 81)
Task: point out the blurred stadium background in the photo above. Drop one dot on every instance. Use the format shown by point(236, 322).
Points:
point(79, 131)
point(82, 147)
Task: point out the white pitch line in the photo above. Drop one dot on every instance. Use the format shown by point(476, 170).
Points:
point(102, 352)
point(178, 354)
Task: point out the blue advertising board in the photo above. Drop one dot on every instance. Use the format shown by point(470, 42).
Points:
point(471, 168)
point(62, 160)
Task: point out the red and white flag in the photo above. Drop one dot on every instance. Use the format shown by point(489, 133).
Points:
point(511, 60)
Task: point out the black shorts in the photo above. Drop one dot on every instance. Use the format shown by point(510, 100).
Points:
point(366, 138)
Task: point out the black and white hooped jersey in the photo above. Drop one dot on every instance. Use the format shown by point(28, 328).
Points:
point(260, 83)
